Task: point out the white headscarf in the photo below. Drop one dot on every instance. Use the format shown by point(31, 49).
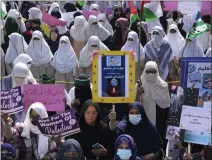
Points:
point(20, 70)
point(133, 45)
point(53, 6)
point(24, 58)
point(208, 53)
point(204, 40)
point(17, 45)
point(62, 29)
point(77, 31)
point(35, 13)
point(176, 40)
point(156, 92)
point(86, 58)
point(96, 30)
point(39, 50)
point(105, 24)
point(29, 127)
point(65, 59)
point(192, 49)
point(18, 17)
point(94, 6)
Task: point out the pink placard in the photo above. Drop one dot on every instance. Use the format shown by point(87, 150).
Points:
point(51, 21)
point(51, 95)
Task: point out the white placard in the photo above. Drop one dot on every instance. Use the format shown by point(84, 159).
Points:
point(196, 119)
point(189, 8)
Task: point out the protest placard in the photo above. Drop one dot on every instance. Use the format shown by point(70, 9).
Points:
point(51, 21)
point(63, 124)
point(196, 73)
point(11, 101)
point(195, 119)
point(113, 77)
point(51, 95)
point(189, 8)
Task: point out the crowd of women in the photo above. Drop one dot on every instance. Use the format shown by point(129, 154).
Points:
point(33, 52)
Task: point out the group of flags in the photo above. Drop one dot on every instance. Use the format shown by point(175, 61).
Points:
point(149, 11)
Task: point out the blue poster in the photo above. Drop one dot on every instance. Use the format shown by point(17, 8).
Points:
point(196, 73)
point(113, 76)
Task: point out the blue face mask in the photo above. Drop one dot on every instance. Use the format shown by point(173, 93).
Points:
point(135, 119)
point(124, 154)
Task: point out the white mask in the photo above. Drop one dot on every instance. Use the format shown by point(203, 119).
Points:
point(156, 38)
point(29, 65)
point(151, 78)
point(124, 154)
point(135, 119)
point(19, 81)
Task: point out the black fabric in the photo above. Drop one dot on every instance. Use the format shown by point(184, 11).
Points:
point(56, 14)
point(83, 93)
point(26, 5)
point(116, 42)
point(69, 7)
point(90, 135)
point(115, 17)
point(75, 15)
point(164, 22)
point(54, 45)
point(134, 27)
point(145, 134)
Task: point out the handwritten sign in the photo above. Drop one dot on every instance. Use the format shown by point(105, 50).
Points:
point(51, 95)
point(61, 124)
point(189, 8)
point(114, 77)
point(11, 101)
point(196, 119)
point(196, 73)
point(51, 21)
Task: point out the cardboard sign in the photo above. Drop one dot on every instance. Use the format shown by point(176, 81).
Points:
point(196, 119)
point(51, 21)
point(189, 8)
point(11, 101)
point(51, 95)
point(60, 124)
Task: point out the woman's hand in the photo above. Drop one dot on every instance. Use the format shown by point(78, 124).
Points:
point(187, 157)
point(149, 157)
point(99, 152)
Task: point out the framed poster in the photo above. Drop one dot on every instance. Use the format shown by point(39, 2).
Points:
point(196, 73)
point(113, 77)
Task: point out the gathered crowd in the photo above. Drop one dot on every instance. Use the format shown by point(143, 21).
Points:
point(34, 51)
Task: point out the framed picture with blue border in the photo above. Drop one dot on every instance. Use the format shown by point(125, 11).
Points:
point(196, 72)
point(113, 77)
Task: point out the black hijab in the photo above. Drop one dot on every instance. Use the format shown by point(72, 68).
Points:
point(82, 90)
point(70, 7)
point(145, 133)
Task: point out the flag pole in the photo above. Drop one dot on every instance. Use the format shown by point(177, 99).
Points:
point(139, 48)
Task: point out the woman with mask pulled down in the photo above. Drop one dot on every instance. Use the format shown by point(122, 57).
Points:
point(41, 55)
point(65, 63)
point(144, 133)
point(120, 34)
point(156, 98)
point(160, 51)
point(191, 49)
point(86, 56)
point(77, 33)
point(24, 58)
point(132, 44)
point(70, 150)
point(35, 145)
point(17, 45)
point(125, 148)
point(104, 22)
point(95, 29)
point(53, 40)
point(94, 133)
